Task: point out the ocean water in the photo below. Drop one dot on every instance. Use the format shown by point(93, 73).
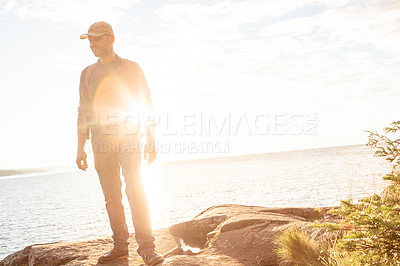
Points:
point(44, 208)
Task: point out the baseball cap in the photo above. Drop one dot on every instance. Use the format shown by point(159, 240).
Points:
point(98, 29)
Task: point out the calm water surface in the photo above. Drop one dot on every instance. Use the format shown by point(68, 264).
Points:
point(70, 206)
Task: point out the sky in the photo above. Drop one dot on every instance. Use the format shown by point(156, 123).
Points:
point(226, 77)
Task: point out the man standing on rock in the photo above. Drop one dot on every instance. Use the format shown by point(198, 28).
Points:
point(113, 94)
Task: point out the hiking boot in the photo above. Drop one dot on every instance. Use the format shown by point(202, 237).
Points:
point(113, 255)
point(151, 258)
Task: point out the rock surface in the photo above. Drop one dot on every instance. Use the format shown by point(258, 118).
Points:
point(220, 235)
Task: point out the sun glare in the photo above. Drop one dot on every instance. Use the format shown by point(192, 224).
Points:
point(115, 104)
point(152, 184)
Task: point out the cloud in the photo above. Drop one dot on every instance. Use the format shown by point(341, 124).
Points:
point(375, 23)
point(347, 48)
point(205, 38)
point(71, 11)
point(6, 6)
point(343, 45)
point(223, 20)
point(228, 12)
point(350, 49)
point(69, 63)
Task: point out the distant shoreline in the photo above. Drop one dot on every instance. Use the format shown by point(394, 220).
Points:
point(27, 171)
point(21, 172)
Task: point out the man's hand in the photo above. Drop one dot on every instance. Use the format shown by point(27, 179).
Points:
point(81, 160)
point(150, 151)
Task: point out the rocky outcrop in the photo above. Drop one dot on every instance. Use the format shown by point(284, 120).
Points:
point(82, 252)
point(243, 234)
point(220, 235)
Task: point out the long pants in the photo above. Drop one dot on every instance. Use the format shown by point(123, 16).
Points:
point(111, 154)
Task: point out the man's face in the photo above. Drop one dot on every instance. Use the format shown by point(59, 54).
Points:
point(101, 45)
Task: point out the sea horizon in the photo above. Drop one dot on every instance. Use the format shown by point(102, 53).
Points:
point(28, 171)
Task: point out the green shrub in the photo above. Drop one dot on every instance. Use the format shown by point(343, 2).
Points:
point(370, 229)
point(372, 226)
